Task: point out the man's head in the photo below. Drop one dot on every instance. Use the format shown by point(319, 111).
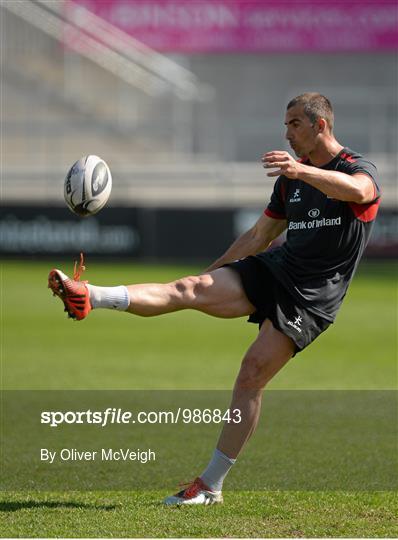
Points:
point(309, 120)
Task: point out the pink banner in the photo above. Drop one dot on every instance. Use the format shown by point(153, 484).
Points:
point(255, 26)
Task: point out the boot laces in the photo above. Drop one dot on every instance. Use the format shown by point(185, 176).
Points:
point(193, 487)
point(79, 269)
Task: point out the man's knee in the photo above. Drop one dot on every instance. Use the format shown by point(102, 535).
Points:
point(257, 369)
point(253, 371)
point(193, 290)
point(267, 355)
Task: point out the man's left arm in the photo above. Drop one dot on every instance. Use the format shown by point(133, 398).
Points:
point(358, 187)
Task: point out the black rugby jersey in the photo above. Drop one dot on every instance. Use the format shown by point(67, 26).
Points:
point(325, 237)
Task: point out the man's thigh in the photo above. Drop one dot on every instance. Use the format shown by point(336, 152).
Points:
point(221, 294)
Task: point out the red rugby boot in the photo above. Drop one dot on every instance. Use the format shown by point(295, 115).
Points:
point(73, 292)
point(196, 493)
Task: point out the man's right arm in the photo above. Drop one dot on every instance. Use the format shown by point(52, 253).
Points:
point(255, 240)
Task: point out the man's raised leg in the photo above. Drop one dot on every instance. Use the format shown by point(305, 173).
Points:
point(218, 293)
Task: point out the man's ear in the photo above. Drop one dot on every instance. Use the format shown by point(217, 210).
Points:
point(321, 125)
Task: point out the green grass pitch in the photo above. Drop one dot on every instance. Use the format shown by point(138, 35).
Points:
point(41, 349)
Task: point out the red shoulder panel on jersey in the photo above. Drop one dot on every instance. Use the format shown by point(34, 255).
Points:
point(274, 215)
point(365, 212)
point(347, 157)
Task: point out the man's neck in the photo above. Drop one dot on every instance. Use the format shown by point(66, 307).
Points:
point(325, 152)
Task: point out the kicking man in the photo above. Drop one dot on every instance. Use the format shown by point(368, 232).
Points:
point(327, 201)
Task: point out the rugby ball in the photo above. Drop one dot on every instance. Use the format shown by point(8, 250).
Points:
point(87, 186)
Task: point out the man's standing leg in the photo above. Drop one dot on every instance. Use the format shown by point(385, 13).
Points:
point(266, 356)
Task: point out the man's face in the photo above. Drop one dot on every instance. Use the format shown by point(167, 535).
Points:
point(300, 132)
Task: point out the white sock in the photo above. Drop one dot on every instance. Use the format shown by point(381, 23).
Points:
point(109, 297)
point(217, 470)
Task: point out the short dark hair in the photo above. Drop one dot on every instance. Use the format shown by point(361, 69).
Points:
point(315, 106)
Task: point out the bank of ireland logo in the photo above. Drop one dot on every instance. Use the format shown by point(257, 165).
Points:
point(314, 213)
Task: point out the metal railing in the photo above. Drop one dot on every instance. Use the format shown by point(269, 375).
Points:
point(112, 49)
point(74, 84)
point(181, 80)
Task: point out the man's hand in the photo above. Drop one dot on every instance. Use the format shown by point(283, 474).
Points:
point(284, 162)
point(357, 188)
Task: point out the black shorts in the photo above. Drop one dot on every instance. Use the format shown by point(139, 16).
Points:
point(274, 302)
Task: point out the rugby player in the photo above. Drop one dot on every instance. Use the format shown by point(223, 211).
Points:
point(327, 201)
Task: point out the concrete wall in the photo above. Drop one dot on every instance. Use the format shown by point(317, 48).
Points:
point(253, 90)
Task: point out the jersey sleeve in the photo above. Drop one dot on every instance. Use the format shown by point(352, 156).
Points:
point(364, 212)
point(276, 207)
point(364, 166)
